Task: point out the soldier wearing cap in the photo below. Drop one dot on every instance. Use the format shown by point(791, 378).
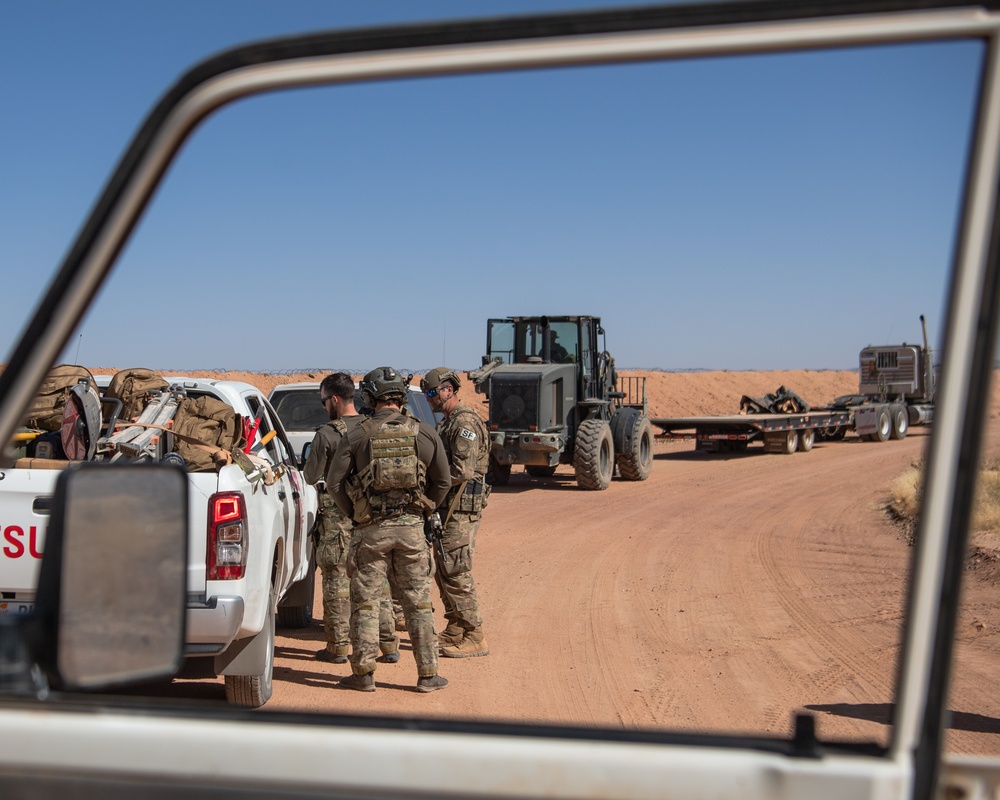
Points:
point(468, 446)
point(388, 474)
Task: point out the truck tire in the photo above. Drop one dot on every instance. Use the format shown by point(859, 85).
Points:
point(302, 594)
point(252, 691)
point(900, 420)
point(884, 425)
point(635, 461)
point(806, 440)
point(497, 474)
point(594, 455)
point(538, 471)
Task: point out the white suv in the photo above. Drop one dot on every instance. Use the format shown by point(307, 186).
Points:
point(302, 414)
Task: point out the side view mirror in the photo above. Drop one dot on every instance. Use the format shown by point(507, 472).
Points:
point(112, 588)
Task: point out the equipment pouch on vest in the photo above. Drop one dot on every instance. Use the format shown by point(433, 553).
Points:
point(362, 508)
point(474, 497)
point(393, 451)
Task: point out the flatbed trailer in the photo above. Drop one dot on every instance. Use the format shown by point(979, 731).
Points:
point(779, 433)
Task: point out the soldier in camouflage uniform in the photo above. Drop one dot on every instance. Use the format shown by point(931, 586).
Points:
point(333, 533)
point(468, 445)
point(388, 474)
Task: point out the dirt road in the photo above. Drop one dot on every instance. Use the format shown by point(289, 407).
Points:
point(723, 594)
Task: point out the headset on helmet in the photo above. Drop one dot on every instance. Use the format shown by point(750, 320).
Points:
point(383, 382)
point(437, 376)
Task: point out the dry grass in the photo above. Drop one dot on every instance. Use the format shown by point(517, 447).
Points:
point(904, 503)
point(904, 494)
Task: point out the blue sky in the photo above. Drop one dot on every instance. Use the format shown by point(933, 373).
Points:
point(775, 212)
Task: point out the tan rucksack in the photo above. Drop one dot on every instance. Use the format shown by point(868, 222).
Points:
point(46, 412)
point(212, 425)
point(132, 387)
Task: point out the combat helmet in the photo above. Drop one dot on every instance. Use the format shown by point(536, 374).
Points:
point(383, 383)
point(437, 376)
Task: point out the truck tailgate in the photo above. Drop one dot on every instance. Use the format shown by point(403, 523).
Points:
point(25, 504)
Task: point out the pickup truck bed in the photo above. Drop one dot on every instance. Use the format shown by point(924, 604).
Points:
point(249, 553)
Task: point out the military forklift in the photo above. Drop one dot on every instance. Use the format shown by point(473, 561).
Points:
point(555, 397)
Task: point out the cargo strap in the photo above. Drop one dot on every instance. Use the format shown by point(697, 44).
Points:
point(454, 502)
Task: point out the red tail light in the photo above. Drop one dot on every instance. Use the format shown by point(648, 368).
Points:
point(227, 536)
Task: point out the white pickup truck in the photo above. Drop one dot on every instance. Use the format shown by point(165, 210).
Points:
point(249, 553)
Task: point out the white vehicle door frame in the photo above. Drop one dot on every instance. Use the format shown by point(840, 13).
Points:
point(524, 762)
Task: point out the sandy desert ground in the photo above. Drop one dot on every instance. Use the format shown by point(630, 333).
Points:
point(723, 594)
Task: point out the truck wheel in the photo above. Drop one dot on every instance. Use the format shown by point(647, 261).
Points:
point(806, 440)
point(635, 462)
point(790, 443)
point(538, 471)
point(301, 595)
point(884, 424)
point(252, 691)
point(900, 420)
point(498, 474)
point(594, 454)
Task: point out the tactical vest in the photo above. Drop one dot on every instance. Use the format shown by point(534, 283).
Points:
point(393, 480)
point(475, 493)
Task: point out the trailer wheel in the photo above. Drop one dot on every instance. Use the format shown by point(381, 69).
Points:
point(594, 455)
point(900, 420)
point(635, 462)
point(806, 440)
point(883, 425)
point(497, 474)
point(790, 443)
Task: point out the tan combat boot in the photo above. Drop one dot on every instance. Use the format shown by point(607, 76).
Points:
point(451, 635)
point(338, 655)
point(473, 644)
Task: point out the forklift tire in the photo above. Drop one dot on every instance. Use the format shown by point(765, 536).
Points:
point(900, 420)
point(635, 460)
point(594, 455)
point(497, 474)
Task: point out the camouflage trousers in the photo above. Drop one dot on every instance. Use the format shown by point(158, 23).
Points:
point(376, 549)
point(331, 558)
point(453, 571)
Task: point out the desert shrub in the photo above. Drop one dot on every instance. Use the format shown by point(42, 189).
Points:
point(904, 498)
point(904, 494)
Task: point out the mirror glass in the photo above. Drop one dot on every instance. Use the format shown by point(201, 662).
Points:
point(738, 225)
point(123, 578)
